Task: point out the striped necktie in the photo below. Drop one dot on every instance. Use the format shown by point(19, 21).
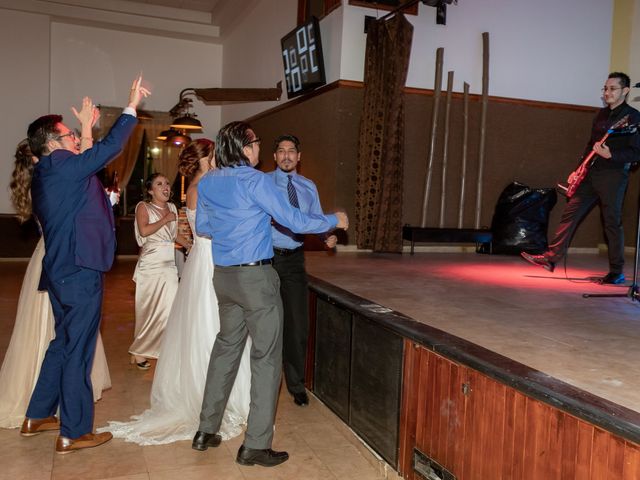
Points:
point(291, 192)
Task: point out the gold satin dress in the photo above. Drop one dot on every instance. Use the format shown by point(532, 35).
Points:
point(156, 278)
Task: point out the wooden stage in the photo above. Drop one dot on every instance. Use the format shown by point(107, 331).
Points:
point(507, 371)
point(509, 307)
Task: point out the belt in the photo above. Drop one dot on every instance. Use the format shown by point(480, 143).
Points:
point(266, 261)
point(287, 251)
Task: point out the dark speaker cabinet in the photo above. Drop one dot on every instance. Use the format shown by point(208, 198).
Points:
point(358, 374)
point(333, 357)
point(376, 381)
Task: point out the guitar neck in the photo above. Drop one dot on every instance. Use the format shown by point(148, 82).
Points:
point(587, 160)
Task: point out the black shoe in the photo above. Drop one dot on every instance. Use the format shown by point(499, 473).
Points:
point(204, 440)
point(540, 260)
point(613, 278)
point(301, 398)
point(264, 458)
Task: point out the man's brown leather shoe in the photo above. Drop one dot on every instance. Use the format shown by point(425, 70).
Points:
point(34, 426)
point(89, 440)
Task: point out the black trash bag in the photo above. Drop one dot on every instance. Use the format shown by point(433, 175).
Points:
point(521, 219)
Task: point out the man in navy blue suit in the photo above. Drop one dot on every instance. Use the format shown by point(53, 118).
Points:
point(79, 236)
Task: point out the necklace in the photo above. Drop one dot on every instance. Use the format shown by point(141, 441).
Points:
point(157, 206)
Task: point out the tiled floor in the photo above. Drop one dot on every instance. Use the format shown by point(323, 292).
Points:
point(319, 444)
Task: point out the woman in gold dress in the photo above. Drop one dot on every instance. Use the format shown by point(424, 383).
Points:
point(156, 275)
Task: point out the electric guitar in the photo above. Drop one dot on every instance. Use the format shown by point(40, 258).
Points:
point(579, 174)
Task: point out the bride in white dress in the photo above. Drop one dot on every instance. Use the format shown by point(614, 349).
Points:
point(178, 384)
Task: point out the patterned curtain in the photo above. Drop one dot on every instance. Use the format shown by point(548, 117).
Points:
point(166, 160)
point(379, 173)
point(126, 161)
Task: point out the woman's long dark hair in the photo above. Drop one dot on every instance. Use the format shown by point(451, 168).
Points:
point(20, 185)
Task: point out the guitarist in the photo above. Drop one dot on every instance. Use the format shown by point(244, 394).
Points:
point(605, 182)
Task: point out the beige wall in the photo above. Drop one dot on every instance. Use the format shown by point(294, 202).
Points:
point(24, 82)
point(49, 66)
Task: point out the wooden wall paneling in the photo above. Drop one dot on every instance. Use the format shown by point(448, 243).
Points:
point(496, 432)
point(554, 447)
point(455, 419)
point(537, 433)
point(615, 460)
point(439, 424)
point(599, 454)
point(427, 404)
point(508, 434)
point(457, 465)
point(517, 461)
point(631, 462)
point(583, 453)
point(409, 409)
point(491, 435)
point(476, 423)
point(569, 446)
point(424, 393)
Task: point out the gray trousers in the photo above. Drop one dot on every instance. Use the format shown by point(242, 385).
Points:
point(249, 304)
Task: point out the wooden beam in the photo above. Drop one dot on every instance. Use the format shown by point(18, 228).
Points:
point(239, 94)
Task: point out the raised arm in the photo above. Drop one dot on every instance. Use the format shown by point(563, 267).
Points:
point(93, 159)
point(87, 116)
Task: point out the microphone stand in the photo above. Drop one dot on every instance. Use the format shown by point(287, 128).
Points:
point(632, 292)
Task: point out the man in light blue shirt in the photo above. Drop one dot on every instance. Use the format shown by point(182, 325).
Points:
point(235, 207)
point(288, 261)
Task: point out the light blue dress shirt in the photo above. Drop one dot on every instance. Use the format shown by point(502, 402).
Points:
point(235, 206)
point(309, 202)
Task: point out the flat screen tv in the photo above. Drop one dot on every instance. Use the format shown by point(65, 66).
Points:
point(302, 57)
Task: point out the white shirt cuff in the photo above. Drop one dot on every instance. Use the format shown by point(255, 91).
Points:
point(129, 111)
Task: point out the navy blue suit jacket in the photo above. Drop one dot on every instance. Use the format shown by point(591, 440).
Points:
point(73, 209)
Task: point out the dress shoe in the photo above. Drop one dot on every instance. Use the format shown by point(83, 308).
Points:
point(301, 399)
point(89, 440)
point(146, 365)
point(204, 440)
point(540, 260)
point(264, 458)
point(142, 365)
point(613, 278)
point(34, 426)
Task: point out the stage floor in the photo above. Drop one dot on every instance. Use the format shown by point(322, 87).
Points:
point(515, 309)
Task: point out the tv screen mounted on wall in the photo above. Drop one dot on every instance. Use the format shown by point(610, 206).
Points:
point(302, 58)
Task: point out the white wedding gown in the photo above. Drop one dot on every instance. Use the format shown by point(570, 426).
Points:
point(178, 385)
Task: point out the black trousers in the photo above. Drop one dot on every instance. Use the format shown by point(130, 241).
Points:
point(608, 188)
point(295, 303)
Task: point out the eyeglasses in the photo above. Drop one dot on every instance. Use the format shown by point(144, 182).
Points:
point(610, 89)
point(255, 140)
point(71, 134)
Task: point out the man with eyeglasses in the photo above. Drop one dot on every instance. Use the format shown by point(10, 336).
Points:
point(78, 228)
point(605, 182)
point(235, 205)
